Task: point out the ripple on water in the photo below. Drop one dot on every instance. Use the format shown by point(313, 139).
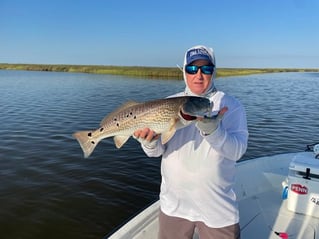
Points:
point(50, 191)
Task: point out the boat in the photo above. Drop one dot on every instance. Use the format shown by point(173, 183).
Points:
point(278, 197)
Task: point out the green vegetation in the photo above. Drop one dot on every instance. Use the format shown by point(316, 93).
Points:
point(248, 71)
point(139, 71)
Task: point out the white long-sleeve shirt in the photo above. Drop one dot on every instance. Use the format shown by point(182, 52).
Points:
point(198, 172)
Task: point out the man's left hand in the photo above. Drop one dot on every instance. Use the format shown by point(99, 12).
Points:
point(208, 125)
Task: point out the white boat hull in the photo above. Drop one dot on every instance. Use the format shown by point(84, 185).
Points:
point(263, 212)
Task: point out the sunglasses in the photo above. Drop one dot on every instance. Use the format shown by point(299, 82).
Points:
point(207, 70)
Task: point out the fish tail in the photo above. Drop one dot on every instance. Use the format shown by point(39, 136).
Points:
point(86, 141)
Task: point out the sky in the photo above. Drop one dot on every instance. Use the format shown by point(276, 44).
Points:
point(243, 33)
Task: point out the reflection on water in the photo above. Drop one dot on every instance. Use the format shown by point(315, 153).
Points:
point(49, 191)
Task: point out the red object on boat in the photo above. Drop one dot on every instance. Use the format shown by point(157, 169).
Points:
point(283, 235)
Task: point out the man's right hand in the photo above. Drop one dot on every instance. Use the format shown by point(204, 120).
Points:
point(147, 137)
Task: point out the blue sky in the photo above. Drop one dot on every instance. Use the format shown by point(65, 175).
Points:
point(243, 33)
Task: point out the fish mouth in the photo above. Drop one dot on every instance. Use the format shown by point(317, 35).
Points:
point(187, 117)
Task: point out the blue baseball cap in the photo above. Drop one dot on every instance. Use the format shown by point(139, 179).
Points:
point(198, 53)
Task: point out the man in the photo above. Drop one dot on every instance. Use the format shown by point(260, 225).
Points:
point(198, 163)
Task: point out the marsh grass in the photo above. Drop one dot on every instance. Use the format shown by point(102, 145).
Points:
point(140, 71)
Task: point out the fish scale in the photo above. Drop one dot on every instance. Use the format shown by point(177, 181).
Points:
point(162, 116)
point(156, 116)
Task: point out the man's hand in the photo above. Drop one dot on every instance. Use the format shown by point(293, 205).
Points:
point(147, 137)
point(208, 125)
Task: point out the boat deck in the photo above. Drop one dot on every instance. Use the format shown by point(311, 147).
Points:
point(263, 212)
point(262, 209)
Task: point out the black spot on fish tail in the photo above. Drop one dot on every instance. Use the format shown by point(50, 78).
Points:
point(115, 119)
point(117, 124)
point(134, 116)
point(92, 142)
point(90, 134)
point(101, 129)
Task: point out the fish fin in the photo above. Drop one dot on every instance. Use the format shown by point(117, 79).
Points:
point(166, 136)
point(120, 140)
point(119, 109)
point(128, 104)
point(86, 141)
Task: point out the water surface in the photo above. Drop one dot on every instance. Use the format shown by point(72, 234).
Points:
point(48, 190)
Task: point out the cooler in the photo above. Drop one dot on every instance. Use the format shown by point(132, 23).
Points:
point(303, 184)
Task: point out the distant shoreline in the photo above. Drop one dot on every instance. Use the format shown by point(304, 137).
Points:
point(140, 71)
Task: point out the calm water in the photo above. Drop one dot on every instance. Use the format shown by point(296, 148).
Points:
point(47, 189)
